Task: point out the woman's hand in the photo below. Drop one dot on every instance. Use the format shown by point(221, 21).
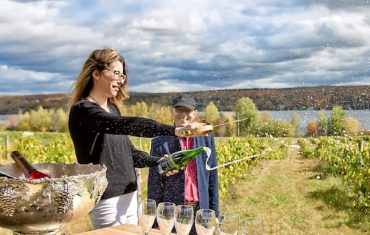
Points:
point(194, 129)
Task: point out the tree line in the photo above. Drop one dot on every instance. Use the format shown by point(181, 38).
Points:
point(299, 98)
point(254, 122)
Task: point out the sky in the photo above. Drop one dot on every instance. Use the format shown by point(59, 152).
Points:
point(192, 45)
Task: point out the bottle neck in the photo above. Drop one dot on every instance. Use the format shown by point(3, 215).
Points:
point(192, 152)
point(22, 163)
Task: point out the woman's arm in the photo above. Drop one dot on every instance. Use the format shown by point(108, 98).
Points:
point(142, 159)
point(90, 116)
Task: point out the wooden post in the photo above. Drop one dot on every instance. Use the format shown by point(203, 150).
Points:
point(139, 183)
point(361, 145)
point(7, 151)
point(237, 118)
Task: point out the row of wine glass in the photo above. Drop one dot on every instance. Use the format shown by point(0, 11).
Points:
point(182, 217)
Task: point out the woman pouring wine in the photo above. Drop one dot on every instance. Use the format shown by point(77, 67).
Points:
point(100, 134)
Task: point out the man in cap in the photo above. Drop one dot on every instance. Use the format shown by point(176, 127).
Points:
point(193, 185)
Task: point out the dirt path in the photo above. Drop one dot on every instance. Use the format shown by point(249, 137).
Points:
point(293, 197)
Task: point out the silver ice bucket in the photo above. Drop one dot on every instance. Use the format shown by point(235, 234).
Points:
point(43, 206)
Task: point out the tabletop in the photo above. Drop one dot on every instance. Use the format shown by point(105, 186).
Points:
point(128, 229)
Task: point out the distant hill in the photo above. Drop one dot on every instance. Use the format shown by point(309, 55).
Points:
point(301, 98)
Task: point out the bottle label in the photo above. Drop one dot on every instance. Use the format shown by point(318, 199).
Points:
point(166, 165)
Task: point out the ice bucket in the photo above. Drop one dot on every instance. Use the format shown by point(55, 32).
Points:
point(43, 206)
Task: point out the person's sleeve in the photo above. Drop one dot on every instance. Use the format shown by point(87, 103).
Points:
point(213, 178)
point(154, 178)
point(142, 159)
point(91, 117)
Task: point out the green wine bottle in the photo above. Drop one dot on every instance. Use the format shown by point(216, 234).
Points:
point(179, 159)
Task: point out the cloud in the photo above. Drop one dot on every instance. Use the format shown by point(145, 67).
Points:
point(177, 45)
point(27, 81)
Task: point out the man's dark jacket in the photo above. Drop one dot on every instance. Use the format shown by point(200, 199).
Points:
point(171, 188)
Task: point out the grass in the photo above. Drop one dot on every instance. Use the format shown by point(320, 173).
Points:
point(293, 196)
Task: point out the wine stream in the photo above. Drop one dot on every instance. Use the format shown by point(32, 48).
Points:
point(208, 152)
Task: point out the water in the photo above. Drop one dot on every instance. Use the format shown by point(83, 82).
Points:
point(3, 117)
point(304, 116)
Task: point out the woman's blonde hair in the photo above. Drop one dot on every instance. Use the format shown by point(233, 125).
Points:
point(97, 61)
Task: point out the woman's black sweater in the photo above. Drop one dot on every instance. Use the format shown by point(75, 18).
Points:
point(100, 137)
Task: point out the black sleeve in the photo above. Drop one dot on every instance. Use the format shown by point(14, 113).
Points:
point(155, 187)
point(90, 116)
point(142, 159)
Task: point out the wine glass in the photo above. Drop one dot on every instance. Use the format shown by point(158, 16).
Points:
point(252, 226)
point(205, 222)
point(166, 217)
point(147, 214)
point(228, 224)
point(184, 217)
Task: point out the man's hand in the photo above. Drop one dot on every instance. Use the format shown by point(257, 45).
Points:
point(173, 172)
point(194, 129)
point(168, 173)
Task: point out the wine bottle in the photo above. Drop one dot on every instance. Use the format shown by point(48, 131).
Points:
point(179, 159)
point(202, 130)
point(29, 171)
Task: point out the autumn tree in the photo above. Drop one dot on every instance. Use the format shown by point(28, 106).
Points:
point(312, 129)
point(40, 119)
point(229, 129)
point(59, 120)
point(322, 124)
point(24, 122)
point(139, 109)
point(246, 109)
point(160, 113)
point(336, 121)
point(351, 125)
point(211, 113)
point(267, 126)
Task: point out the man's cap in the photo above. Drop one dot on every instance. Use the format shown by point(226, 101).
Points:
point(185, 101)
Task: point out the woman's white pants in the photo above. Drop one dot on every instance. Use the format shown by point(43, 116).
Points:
point(115, 211)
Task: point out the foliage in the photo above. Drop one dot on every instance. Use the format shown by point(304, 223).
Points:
point(266, 126)
point(230, 129)
point(322, 124)
point(336, 121)
point(211, 113)
point(39, 119)
point(351, 126)
point(246, 109)
point(160, 113)
point(57, 147)
point(312, 129)
point(346, 156)
point(139, 109)
point(336, 125)
point(44, 120)
point(59, 120)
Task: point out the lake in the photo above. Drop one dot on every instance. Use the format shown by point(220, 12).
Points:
point(363, 116)
point(5, 116)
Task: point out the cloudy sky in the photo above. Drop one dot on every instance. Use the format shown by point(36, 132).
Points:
point(192, 45)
